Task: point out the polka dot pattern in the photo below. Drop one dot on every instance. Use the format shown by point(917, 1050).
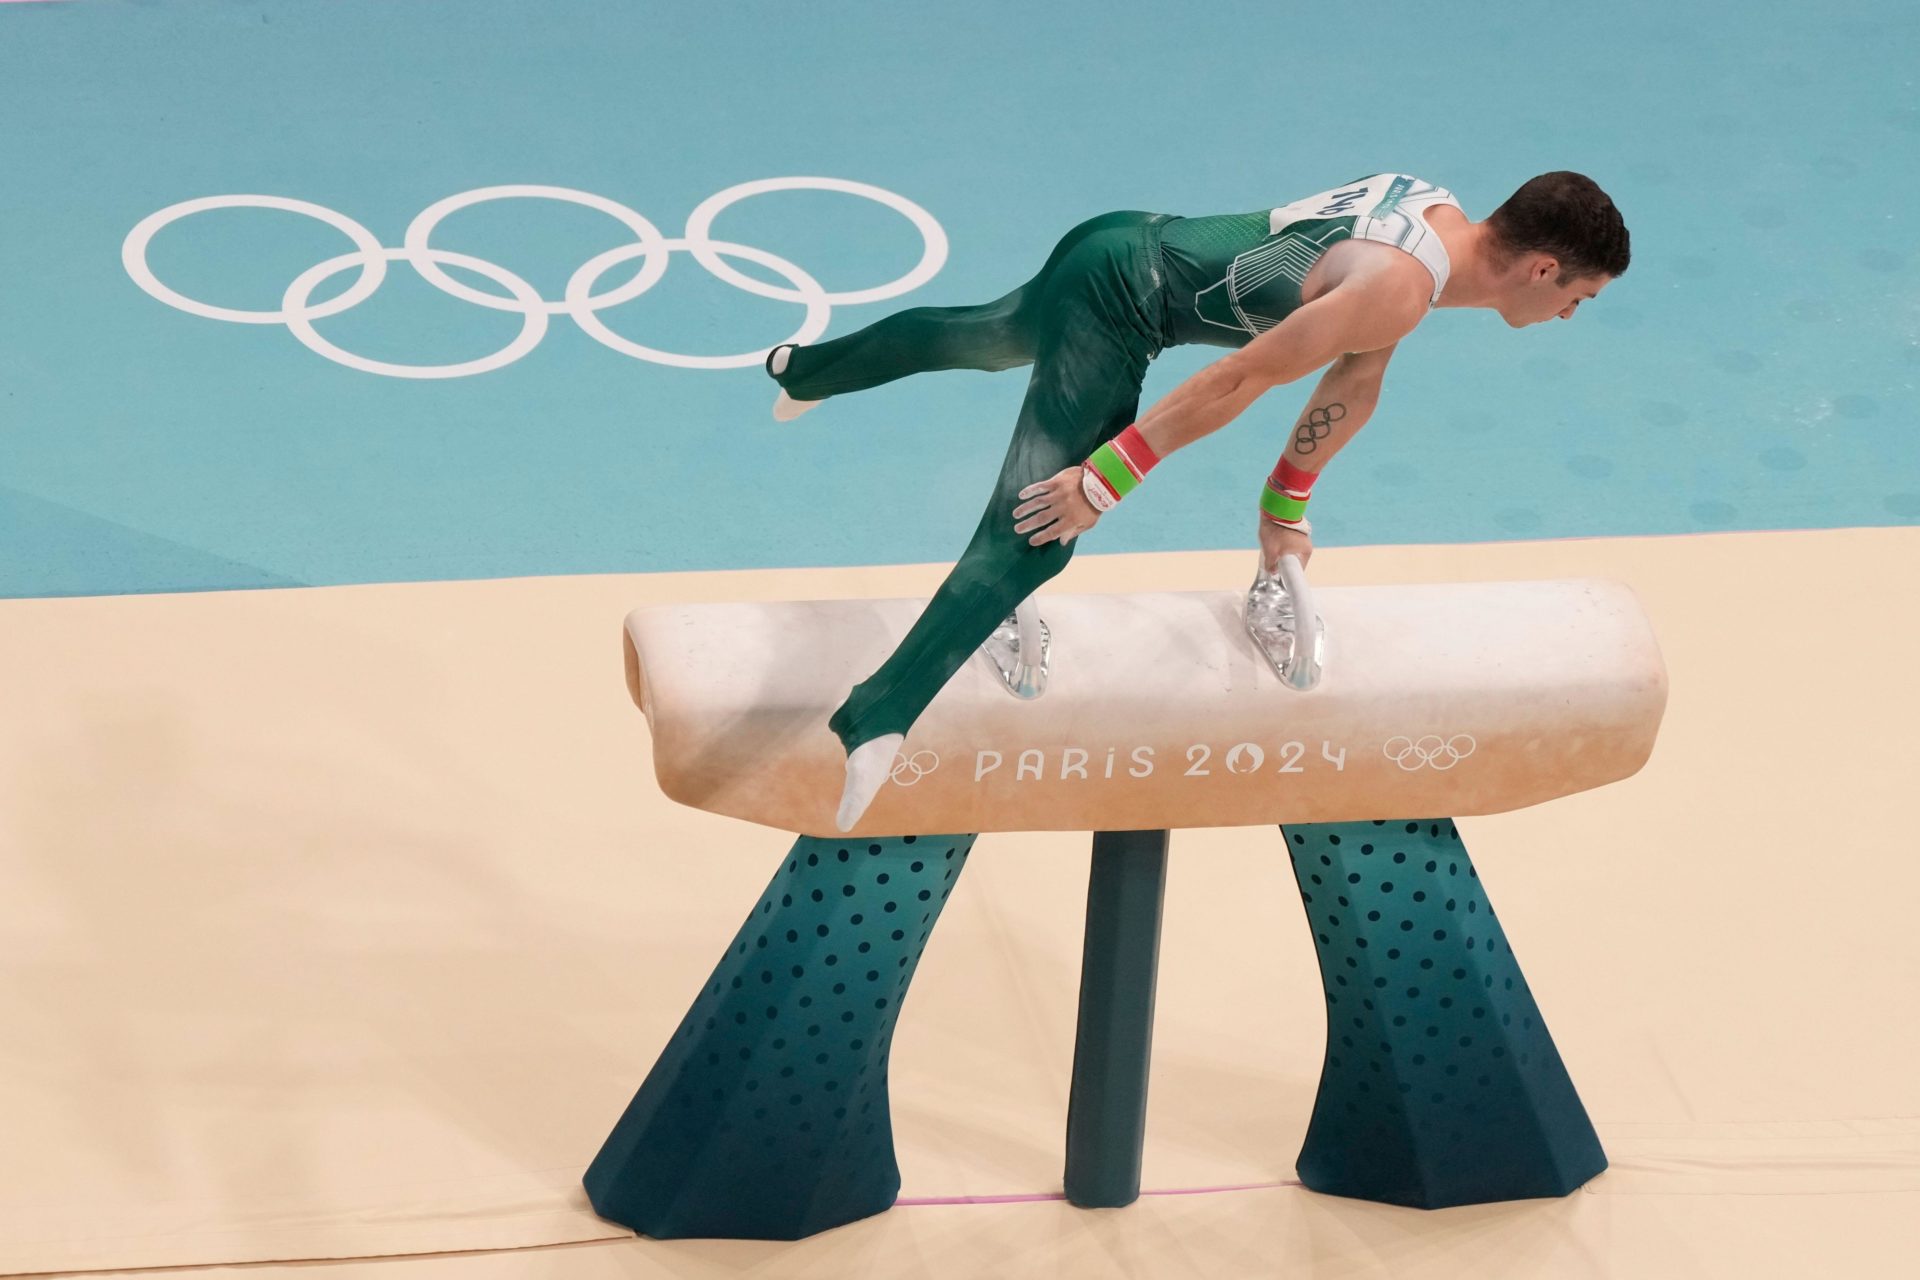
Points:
point(1441, 1085)
point(766, 1117)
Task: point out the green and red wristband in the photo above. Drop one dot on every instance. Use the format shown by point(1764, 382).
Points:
point(1116, 469)
point(1283, 499)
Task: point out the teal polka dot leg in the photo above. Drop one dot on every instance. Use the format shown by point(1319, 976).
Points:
point(766, 1116)
point(1441, 1085)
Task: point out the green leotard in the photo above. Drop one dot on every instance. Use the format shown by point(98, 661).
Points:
point(1116, 291)
point(1235, 276)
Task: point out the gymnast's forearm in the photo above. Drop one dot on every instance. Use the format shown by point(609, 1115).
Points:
point(1313, 337)
point(1201, 405)
point(1222, 391)
point(1336, 411)
point(1215, 396)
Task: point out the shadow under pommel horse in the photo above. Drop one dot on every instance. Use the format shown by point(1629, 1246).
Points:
point(766, 1115)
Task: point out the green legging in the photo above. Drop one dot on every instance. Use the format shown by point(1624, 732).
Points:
point(1088, 323)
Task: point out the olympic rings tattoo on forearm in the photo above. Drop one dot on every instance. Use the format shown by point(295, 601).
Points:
point(1317, 426)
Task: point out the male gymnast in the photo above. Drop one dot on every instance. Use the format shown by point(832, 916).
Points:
point(1336, 280)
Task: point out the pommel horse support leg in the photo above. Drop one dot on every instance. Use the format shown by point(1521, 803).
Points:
point(767, 1114)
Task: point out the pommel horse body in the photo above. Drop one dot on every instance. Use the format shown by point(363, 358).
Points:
point(766, 1116)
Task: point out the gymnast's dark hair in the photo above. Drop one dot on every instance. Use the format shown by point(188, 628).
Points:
point(1568, 216)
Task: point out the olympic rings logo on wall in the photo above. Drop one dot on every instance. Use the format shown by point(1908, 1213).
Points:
point(298, 312)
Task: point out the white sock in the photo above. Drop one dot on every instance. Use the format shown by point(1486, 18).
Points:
point(786, 408)
point(868, 768)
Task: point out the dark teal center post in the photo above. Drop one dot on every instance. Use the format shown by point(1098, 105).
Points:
point(1112, 1047)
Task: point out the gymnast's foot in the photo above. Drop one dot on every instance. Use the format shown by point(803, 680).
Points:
point(785, 407)
point(868, 767)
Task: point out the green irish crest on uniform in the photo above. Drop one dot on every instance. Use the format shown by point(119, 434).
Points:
point(1262, 285)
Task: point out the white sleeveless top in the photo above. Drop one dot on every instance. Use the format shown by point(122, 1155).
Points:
point(1387, 207)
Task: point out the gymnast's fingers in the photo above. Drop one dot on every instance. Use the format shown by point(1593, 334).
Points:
point(1028, 508)
point(1043, 528)
point(1038, 521)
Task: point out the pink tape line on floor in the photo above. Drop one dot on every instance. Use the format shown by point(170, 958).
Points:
point(1032, 1199)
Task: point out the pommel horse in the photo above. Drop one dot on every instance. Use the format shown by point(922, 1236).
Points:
point(766, 1116)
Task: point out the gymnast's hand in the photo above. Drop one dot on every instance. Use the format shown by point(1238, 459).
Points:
point(1277, 541)
point(1056, 508)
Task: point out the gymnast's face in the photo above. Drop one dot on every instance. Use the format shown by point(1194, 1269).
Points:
point(1537, 295)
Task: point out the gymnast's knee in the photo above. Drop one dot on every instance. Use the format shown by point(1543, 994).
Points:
point(1040, 564)
point(1010, 575)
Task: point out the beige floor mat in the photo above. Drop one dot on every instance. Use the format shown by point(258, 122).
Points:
point(343, 923)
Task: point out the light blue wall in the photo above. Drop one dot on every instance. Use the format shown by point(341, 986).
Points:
point(1756, 369)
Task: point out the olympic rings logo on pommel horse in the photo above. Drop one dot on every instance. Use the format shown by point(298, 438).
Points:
point(909, 769)
point(1441, 753)
point(298, 311)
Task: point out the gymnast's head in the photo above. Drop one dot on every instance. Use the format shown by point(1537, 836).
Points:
point(1554, 244)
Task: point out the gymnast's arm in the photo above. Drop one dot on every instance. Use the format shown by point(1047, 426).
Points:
point(1368, 311)
point(1347, 395)
point(1363, 314)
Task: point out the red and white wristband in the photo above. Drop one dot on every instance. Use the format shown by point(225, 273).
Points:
point(1116, 469)
point(1283, 500)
